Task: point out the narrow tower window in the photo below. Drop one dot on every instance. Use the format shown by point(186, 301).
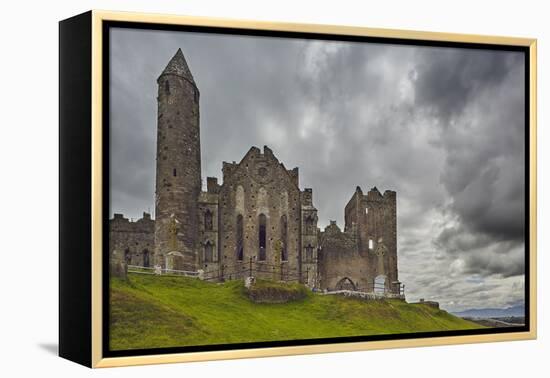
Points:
point(284, 238)
point(309, 253)
point(239, 228)
point(309, 223)
point(208, 251)
point(371, 244)
point(262, 236)
point(208, 225)
point(174, 172)
point(167, 87)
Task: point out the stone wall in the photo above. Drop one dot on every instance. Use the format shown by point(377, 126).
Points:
point(340, 264)
point(309, 239)
point(364, 256)
point(134, 240)
point(208, 249)
point(260, 216)
point(371, 218)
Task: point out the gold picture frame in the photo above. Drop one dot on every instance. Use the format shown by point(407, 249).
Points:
point(92, 355)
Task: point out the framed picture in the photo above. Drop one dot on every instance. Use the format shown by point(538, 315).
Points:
point(235, 189)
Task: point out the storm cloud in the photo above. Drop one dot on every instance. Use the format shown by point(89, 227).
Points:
point(444, 127)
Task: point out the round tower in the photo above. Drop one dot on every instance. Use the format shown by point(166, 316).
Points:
point(178, 172)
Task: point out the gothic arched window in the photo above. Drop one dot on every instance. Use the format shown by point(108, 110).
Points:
point(208, 220)
point(208, 252)
point(262, 229)
point(239, 241)
point(309, 253)
point(284, 238)
point(309, 224)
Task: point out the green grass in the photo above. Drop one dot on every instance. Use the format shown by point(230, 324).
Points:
point(160, 311)
point(264, 291)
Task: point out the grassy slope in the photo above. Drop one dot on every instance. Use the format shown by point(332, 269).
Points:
point(151, 311)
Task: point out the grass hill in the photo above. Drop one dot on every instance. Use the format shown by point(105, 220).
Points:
point(162, 311)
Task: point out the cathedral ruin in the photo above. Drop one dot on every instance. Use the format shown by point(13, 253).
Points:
point(257, 221)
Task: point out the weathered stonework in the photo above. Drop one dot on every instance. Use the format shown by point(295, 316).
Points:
point(257, 221)
point(117, 265)
point(133, 240)
point(178, 179)
point(260, 209)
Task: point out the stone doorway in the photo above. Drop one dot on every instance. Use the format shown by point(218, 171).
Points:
point(346, 284)
point(146, 258)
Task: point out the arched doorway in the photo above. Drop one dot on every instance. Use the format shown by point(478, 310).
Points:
point(145, 258)
point(127, 256)
point(345, 284)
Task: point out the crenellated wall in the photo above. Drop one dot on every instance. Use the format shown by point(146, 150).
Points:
point(134, 240)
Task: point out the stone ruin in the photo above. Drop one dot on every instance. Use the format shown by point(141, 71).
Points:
point(257, 220)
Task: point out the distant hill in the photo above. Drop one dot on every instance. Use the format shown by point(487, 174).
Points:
point(163, 311)
point(515, 311)
point(496, 322)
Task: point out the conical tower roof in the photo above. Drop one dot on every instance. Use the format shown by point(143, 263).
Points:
point(178, 66)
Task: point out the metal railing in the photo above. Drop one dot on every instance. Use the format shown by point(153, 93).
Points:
point(261, 269)
point(161, 271)
point(265, 270)
point(396, 289)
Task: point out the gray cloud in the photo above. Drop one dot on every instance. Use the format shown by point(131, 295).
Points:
point(443, 127)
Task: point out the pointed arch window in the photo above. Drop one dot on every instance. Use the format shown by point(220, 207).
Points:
point(262, 230)
point(309, 253)
point(284, 238)
point(239, 238)
point(208, 252)
point(208, 224)
point(309, 225)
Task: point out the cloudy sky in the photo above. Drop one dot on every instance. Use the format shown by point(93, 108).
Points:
point(444, 127)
